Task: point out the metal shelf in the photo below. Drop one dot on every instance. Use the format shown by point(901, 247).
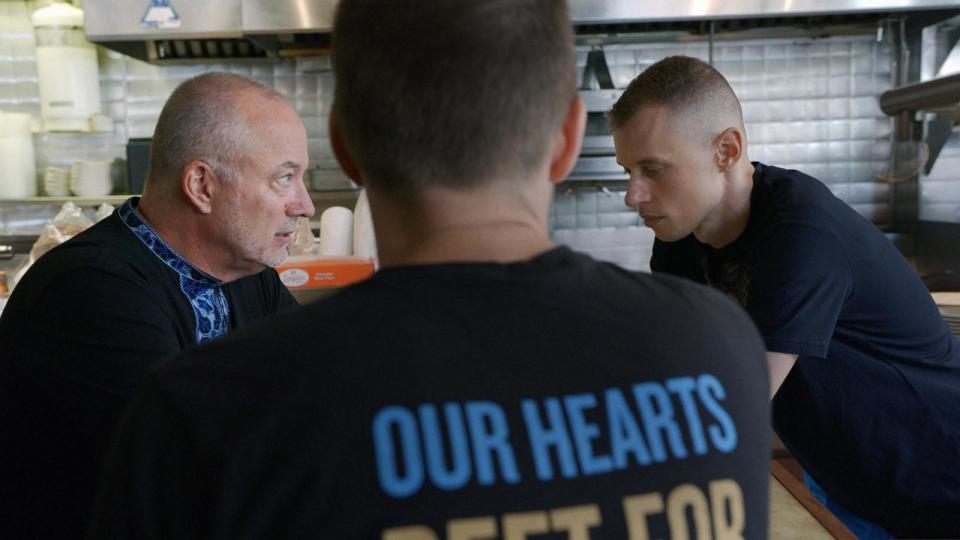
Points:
point(79, 201)
point(21, 243)
point(324, 198)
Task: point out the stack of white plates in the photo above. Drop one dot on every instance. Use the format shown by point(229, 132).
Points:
point(56, 182)
point(91, 178)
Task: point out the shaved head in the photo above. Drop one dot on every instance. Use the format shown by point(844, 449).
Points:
point(695, 93)
point(204, 120)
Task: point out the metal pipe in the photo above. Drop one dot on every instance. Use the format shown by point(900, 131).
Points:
point(937, 94)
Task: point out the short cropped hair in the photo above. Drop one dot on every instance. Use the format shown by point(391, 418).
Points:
point(683, 85)
point(203, 120)
point(451, 93)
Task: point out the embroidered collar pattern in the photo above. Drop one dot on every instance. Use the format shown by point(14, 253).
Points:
point(203, 291)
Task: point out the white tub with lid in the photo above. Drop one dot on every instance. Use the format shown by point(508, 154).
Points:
point(18, 172)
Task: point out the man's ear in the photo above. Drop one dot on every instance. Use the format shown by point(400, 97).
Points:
point(340, 151)
point(729, 147)
point(198, 182)
point(566, 146)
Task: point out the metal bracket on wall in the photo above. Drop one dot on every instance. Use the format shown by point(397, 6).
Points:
point(939, 129)
point(596, 69)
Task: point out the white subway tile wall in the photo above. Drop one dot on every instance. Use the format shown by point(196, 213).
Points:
point(808, 104)
point(136, 91)
point(133, 92)
point(18, 69)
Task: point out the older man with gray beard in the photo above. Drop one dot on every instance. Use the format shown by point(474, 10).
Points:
point(185, 263)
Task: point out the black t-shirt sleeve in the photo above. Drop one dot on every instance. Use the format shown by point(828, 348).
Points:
point(798, 285)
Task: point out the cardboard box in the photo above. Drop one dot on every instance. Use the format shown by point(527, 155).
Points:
point(324, 272)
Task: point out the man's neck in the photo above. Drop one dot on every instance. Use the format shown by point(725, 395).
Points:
point(730, 218)
point(180, 233)
point(493, 225)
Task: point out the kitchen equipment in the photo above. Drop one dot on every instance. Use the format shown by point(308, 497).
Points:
point(138, 162)
point(937, 95)
point(18, 172)
point(219, 29)
point(66, 68)
point(598, 160)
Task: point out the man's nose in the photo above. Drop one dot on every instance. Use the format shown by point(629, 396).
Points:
point(302, 204)
point(637, 193)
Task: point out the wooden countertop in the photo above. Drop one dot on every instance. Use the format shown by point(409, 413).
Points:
point(794, 512)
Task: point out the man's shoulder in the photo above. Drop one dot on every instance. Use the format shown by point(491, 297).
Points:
point(793, 195)
point(790, 206)
point(578, 286)
point(99, 258)
point(106, 239)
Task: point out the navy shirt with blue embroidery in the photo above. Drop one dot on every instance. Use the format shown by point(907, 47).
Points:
point(80, 332)
point(204, 291)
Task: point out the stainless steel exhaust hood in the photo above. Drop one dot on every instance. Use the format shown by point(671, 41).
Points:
point(162, 31)
point(626, 11)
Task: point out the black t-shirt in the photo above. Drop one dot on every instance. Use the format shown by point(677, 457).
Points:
point(81, 330)
point(872, 407)
point(558, 393)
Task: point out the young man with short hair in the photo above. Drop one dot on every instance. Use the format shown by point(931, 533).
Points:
point(864, 373)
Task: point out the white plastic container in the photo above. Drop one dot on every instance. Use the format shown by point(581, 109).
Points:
point(18, 171)
point(66, 68)
point(336, 232)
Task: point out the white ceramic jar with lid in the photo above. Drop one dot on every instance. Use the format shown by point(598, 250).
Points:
point(67, 69)
point(18, 172)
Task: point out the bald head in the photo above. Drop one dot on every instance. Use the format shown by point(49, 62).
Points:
point(695, 94)
point(205, 119)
